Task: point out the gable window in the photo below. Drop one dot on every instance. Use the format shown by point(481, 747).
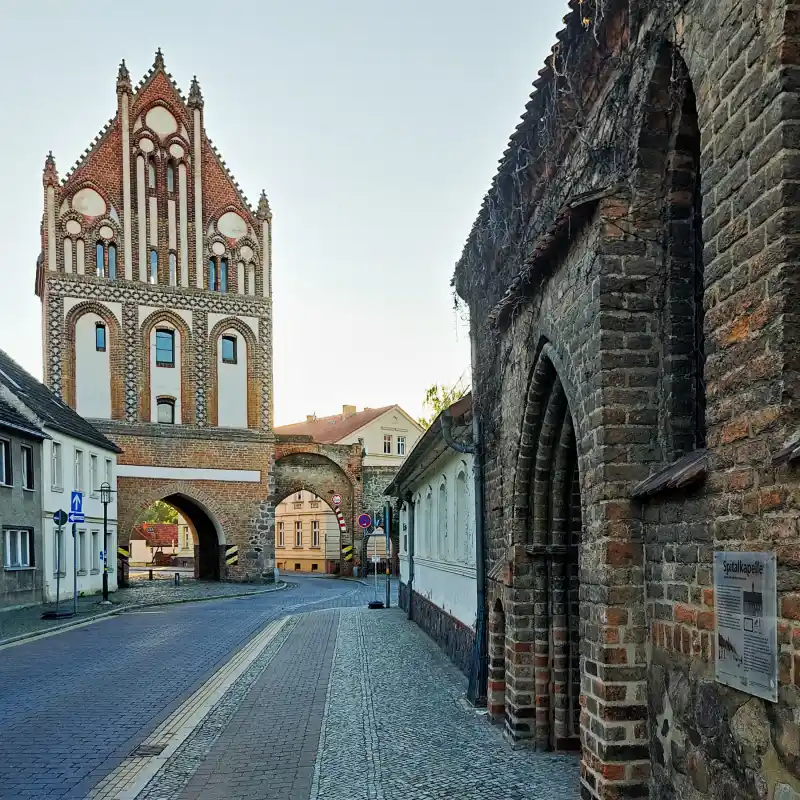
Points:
point(99, 259)
point(280, 535)
point(298, 534)
point(56, 477)
point(78, 482)
point(170, 177)
point(153, 266)
point(387, 444)
point(165, 411)
point(401, 445)
point(212, 275)
point(27, 467)
point(112, 262)
point(173, 270)
point(223, 275)
point(165, 348)
point(217, 275)
point(228, 349)
point(99, 336)
point(6, 478)
point(17, 549)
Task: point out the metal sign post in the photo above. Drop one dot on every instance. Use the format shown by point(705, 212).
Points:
point(74, 568)
point(60, 519)
point(387, 521)
point(58, 568)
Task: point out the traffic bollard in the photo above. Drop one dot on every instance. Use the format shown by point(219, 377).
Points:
point(177, 579)
point(151, 574)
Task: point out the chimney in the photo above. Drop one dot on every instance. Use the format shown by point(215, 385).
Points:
point(348, 411)
point(311, 417)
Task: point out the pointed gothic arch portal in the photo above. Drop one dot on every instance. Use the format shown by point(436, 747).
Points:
point(207, 545)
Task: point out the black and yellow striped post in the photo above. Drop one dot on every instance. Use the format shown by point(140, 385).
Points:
point(347, 552)
point(123, 566)
point(231, 555)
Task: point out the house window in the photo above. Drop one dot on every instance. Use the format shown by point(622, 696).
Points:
point(59, 553)
point(299, 496)
point(108, 471)
point(56, 478)
point(298, 534)
point(165, 411)
point(165, 348)
point(401, 445)
point(17, 549)
point(315, 567)
point(99, 336)
point(280, 535)
point(6, 478)
point(153, 266)
point(387, 444)
point(151, 174)
point(27, 467)
point(173, 270)
point(82, 552)
point(78, 482)
point(315, 533)
point(112, 262)
point(98, 259)
point(94, 483)
point(170, 177)
point(297, 567)
point(228, 349)
point(94, 567)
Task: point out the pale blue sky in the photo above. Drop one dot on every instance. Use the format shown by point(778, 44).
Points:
point(374, 126)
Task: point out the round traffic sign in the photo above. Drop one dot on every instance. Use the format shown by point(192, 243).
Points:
point(60, 517)
point(336, 499)
point(364, 521)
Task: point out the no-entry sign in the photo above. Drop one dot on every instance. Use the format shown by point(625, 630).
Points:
point(364, 521)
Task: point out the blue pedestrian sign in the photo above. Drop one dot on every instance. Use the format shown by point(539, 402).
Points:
point(76, 508)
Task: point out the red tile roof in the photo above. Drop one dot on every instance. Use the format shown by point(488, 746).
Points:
point(156, 534)
point(329, 430)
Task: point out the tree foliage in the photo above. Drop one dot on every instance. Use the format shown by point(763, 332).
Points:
point(438, 398)
point(160, 512)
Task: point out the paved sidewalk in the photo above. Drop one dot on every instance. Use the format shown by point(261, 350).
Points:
point(356, 705)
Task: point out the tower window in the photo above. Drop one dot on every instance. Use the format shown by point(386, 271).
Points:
point(99, 259)
point(112, 262)
point(217, 275)
point(212, 275)
point(165, 348)
point(151, 174)
point(173, 270)
point(170, 177)
point(165, 411)
point(223, 275)
point(100, 337)
point(229, 349)
point(153, 266)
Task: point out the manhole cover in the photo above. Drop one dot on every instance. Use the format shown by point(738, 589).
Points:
point(148, 750)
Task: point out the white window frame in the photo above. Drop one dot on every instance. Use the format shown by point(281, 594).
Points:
point(298, 533)
point(401, 445)
point(28, 467)
point(109, 471)
point(387, 444)
point(82, 552)
point(78, 472)
point(56, 467)
point(94, 473)
point(315, 533)
point(59, 552)
point(281, 542)
point(6, 466)
point(111, 545)
point(96, 547)
point(15, 556)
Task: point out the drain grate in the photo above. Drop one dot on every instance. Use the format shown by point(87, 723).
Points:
point(148, 750)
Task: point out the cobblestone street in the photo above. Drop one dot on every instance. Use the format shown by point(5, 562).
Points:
point(298, 694)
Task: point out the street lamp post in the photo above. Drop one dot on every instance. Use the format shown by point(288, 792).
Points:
point(105, 499)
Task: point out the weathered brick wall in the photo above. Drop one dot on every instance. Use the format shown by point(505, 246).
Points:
point(572, 268)
point(376, 479)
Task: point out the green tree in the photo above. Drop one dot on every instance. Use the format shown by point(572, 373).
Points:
point(438, 398)
point(160, 512)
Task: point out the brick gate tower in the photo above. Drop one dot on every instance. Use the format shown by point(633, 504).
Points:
point(155, 282)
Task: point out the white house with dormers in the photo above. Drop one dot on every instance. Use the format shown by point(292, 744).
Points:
point(75, 457)
point(437, 535)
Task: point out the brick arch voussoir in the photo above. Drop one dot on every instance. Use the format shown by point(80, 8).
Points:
point(253, 370)
point(549, 368)
point(138, 502)
point(115, 353)
point(187, 379)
